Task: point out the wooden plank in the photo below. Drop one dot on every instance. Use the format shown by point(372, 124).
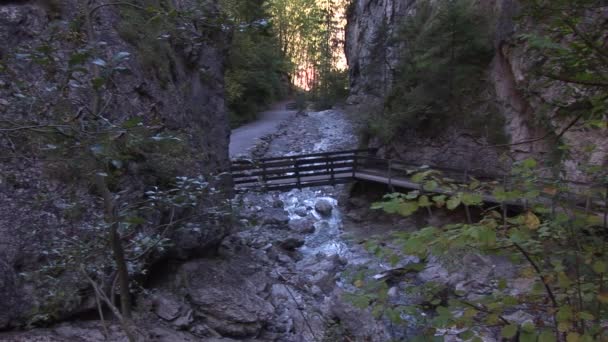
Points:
point(305, 161)
point(320, 154)
point(282, 171)
point(293, 178)
point(290, 186)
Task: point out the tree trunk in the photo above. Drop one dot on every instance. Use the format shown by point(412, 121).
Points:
point(116, 246)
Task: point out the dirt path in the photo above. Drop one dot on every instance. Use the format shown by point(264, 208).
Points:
point(246, 137)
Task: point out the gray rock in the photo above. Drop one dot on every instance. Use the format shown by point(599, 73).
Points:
point(184, 320)
point(275, 217)
point(302, 226)
point(291, 243)
point(225, 295)
point(323, 207)
point(278, 204)
point(166, 307)
point(519, 317)
point(301, 211)
point(358, 202)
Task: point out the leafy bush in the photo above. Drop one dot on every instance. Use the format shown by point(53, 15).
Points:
point(560, 246)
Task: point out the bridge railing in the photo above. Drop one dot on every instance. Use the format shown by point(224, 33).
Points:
point(582, 196)
point(331, 168)
point(280, 173)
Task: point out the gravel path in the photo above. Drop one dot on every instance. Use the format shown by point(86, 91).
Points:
point(245, 137)
point(329, 130)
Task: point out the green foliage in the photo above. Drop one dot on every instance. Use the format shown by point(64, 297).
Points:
point(439, 81)
point(256, 70)
point(310, 36)
point(563, 250)
point(332, 88)
point(569, 39)
point(144, 29)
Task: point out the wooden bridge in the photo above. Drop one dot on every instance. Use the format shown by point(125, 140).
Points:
point(332, 168)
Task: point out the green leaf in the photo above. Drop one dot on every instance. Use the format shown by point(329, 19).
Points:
point(599, 267)
point(78, 58)
point(131, 123)
point(573, 337)
point(420, 176)
point(564, 314)
point(529, 163)
point(487, 236)
point(424, 201)
point(453, 202)
point(586, 316)
point(466, 335)
point(546, 336)
point(528, 327)
point(412, 195)
point(407, 208)
point(430, 185)
point(563, 281)
point(527, 336)
point(98, 82)
point(471, 199)
point(439, 200)
point(377, 205)
point(509, 331)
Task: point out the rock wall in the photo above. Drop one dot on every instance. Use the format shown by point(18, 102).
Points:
point(373, 56)
point(36, 205)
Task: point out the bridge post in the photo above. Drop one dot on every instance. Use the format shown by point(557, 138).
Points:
point(333, 176)
point(264, 176)
point(606, 208)
point(390, 175)
point(504, 204)
point(297, 167)
point(355, 157)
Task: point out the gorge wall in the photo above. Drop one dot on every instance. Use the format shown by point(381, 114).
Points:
point(373, 57)
point(171, 81)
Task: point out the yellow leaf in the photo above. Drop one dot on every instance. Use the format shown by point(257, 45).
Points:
point(550, 190)
point(359, 283)
point(573, 337)
point(563, 326)
point(531, 220)
point(603, 297)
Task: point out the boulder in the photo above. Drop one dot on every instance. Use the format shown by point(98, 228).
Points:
point(302, 226)
point(291, 243)
point(225, 295)
point(275, 217)
point(167, 307)
point(301, 211)
point(323, 207)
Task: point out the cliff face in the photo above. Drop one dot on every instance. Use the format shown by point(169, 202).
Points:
point(178, 88)
point(373, 57)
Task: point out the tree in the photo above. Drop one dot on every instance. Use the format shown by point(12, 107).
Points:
point(446, 49)
point(257, 70)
